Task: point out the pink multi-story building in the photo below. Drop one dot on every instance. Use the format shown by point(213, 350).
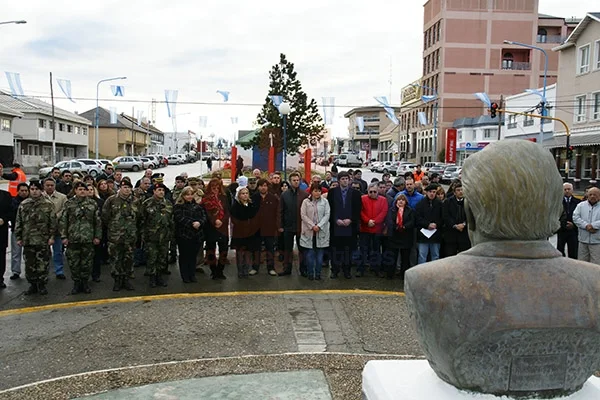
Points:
point(464, 53)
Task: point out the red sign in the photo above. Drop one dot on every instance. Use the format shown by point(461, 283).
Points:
point(450, 146)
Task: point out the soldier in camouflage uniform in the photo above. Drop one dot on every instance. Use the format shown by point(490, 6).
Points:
point(141, 192)
point(35, 231)
point(120, 215)
point(180, 183)
point(80, 230)
point(157, 230)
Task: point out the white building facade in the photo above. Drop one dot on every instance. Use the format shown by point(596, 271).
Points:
point(526, 127)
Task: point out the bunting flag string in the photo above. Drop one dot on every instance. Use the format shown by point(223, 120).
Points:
point(225, 95)
point(65, 86)
point(328, 110)
point(202, 121)
point(484, 98)
point(14, 81)
point(140, 115)
point(360, 121)
point(171, 100)
point(234, 120)
point(113, 115)
point(388, 110)
point(422, 118)
point(117, 91)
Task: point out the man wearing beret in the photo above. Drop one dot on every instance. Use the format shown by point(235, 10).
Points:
point(35, 230)
point(429, 224)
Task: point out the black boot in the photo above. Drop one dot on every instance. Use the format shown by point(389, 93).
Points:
point(33, 289)
point(152, 281)
point(85, 288)
point(42, 288)
point(159, 281)
point(76, 287)
point(117, 285)
point(126, 284)
point(220, 271)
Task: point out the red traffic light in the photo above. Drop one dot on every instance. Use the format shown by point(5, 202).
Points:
point(494, 106)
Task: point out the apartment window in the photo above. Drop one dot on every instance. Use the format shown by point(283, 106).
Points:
point(70, 152)
point(488, 133)
point(33, 150)
point(542, 35)
point(580, 109)
point(507, 61)
point(460, 135)
point(583, 59)
point(77, 130)
point(84, 131)
point(512, 122)
point(61, 127)
point(6, 125)
point(47, 152)
point(597, 55)
point(42, 123)
point(596, 106)
point(528, 121)
point(70, 128)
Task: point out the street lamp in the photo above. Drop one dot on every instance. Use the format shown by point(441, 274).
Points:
point(530, 46)
point(427, 99)
point(96, 137)
point(284, 109)
point(13, 22)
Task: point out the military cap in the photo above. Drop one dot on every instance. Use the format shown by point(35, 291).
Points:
point(159, 186)
point(126, 182)
point(157, 175)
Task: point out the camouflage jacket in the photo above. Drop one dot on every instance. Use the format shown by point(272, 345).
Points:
point(35, 222)
point(80, 221)
point(121, 218)
point(156, 220)
point(175, 194)
point(140, 194)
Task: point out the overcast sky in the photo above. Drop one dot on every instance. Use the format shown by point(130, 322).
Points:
point(340, 49)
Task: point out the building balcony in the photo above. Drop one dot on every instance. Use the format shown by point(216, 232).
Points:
point(550, 39)
point(516, 65)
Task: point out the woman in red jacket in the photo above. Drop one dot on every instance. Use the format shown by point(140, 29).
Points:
point(372, 217)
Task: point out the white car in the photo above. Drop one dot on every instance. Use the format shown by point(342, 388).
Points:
point(174, 160)
point(375, 165)
point(404, 168)
point(91, 167)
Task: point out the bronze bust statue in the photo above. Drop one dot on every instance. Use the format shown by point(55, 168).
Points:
point(510, 316)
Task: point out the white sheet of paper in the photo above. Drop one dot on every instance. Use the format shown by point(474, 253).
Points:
point(428, 232)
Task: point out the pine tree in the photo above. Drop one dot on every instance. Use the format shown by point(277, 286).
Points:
point(304, 123)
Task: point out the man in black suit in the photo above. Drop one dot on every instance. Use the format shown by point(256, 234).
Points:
point(568, 232)
point(5, 218)
point(345, 204)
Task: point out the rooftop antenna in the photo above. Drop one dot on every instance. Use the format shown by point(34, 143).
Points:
point(390, 81)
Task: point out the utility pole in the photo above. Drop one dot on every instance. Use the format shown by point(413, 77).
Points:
point(53, 123)
point(500, 114)
point(407, 135)
point(132, 132)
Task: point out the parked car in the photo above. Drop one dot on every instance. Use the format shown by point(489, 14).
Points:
point(147, 163)
point(71, 165)
point(160, 159)
point(448, 172)
point(127, 162)
point(457, 174)
point(404, 168)
point(439, 169)
point(105, 162)
point(348, 160)
point(174, 160)
point(92, 167)
point(374, 165)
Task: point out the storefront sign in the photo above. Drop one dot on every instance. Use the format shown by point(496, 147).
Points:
point(450, 146)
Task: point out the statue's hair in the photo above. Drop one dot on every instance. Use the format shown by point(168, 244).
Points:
point(513, 190)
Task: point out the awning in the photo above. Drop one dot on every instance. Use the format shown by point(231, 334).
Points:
point(576, 140)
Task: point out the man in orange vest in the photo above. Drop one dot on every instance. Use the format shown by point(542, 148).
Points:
point(418, 174)
point(15, 177)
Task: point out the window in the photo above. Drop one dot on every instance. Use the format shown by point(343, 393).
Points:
point(507, 61)
point(489, 133)
point(512, 122)
point(580, 113)
point(47, 152)
point(528, 121)
point(61, 127)
point(6, 125)
point(70, 128)
point(70, 152)
point(51, 124)
point(542, 35)
point(42, 123)
point(33, 150)
point(77, 130)
point(583, 59)
point(596, 106)
point(84, 130)
point(597, 55)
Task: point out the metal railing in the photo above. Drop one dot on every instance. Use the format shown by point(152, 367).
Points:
point(516, 65)
point(550, 38)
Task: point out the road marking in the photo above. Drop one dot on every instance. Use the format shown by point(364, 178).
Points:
point(174, 296)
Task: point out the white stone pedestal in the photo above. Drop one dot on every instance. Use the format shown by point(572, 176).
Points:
point(415, 380)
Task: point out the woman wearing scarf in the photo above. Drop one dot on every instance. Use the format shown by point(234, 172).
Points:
point(400, 226)
point(314, 237)
point(217, 229)
point(244, 236)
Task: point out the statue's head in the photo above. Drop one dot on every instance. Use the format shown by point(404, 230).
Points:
point(513, 191)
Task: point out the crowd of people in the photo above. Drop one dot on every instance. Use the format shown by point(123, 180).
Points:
point(339, 221)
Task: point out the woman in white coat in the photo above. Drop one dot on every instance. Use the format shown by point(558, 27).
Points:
point(314, 237)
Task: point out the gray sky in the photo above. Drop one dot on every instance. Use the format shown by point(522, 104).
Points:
point(340, 49)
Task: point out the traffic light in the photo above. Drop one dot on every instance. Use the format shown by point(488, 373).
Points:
point(569, 152)
point(493, 109)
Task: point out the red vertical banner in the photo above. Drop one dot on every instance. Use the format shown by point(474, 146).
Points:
point(450, 146)
point(307, 164)
point(199, 148)
point(233, 163)
point(271, 159)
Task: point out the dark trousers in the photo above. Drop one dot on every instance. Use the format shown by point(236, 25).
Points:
point(98, 259)
point(370, 249)
point(341, 254)
point(2, 263)
point(269, 242)
point(217, 266)
point(288, 246)
point(390, 257)
point(187, 258)
point(572, 242)
point(452, 248)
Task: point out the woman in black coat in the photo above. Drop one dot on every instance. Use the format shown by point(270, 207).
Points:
point(400, 236)
point(244, 237)
point(190, 219)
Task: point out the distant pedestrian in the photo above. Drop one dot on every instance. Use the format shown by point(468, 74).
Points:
point(16, 251)
point(568, 232)
point(209, 163)
point(587, 218)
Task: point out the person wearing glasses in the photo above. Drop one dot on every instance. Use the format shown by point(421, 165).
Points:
point(65, 186)
point(372, 217)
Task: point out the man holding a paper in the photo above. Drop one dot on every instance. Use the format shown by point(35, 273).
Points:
point(429, 225)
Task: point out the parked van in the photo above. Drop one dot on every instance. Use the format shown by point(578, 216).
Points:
point(349, 160)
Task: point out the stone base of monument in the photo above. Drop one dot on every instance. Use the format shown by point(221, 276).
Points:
point(415, 380)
